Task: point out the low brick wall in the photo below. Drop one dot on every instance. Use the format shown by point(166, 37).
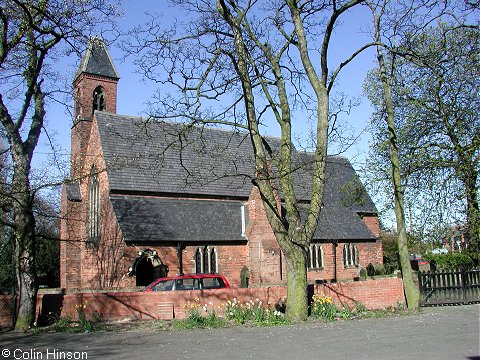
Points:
point(6, 311)
point(372, 293)
point(148, 305)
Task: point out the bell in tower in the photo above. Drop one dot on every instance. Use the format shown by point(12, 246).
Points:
point(98, 99)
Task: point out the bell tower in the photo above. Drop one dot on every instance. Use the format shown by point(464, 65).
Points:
point(94, 88)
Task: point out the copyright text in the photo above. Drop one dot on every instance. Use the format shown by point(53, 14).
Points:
point(47, 354)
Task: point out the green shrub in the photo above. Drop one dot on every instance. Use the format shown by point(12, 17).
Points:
point(360, 308)
point(67, 324)
point(251, 312)
point(452, 261)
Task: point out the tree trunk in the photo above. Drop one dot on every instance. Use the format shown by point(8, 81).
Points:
point(295, 255)
point(473, 212)
point(297, 301)
point(26, 275)
point(410, 289)
point(412, 294)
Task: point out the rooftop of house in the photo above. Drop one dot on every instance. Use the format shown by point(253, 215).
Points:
point(184, 168)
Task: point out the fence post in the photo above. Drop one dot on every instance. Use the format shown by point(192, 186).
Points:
point(464, 285)
point(420, 287)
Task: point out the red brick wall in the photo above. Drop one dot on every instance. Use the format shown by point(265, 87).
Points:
point(230, 259)
point(264, 252)
point(84, 87)
point(6, 311)
point(70, 244)
point(373, 223)
point(79, 137)
point(369, 252)
point(105, 265)
point(263, 249)
point(373, 294)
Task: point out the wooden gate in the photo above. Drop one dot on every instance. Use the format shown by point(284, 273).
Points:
point(454, 287)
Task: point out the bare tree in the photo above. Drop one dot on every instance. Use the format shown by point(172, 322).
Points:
point(411, 292)
point(32, 35)
point(247, 64)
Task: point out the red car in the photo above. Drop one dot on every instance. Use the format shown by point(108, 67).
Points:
point(189, 282)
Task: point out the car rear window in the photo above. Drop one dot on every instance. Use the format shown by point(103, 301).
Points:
point(213, 283)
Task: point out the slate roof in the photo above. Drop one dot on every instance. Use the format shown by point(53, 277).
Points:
point(97, 61)
point(157, 157)
point(164, 159)
point(341, 224)
point(166, 219)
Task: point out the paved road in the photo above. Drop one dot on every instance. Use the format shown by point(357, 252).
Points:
point(435, 333)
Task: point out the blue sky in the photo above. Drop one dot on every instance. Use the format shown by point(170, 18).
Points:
point(133, 92)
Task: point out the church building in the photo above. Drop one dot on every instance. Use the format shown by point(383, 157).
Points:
point(149, 198)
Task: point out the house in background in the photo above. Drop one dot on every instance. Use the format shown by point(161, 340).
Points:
point(148, 198)
point(456, 239)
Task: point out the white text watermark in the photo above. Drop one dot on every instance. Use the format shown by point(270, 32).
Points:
point(45, 354)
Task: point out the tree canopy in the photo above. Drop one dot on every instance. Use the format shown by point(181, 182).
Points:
point(435, 91)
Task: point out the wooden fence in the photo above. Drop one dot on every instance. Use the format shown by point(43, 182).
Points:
point(454, 287)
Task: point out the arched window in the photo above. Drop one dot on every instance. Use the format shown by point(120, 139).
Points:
point(144, 272)
point(350, 255)
point(206, 259)
point(319, 256)
point(315, 257)
point(213, 260)
point(98, 99)
point(198, 260)
point(93, 207)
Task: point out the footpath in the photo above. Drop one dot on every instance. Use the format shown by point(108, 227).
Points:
point(434, 333)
